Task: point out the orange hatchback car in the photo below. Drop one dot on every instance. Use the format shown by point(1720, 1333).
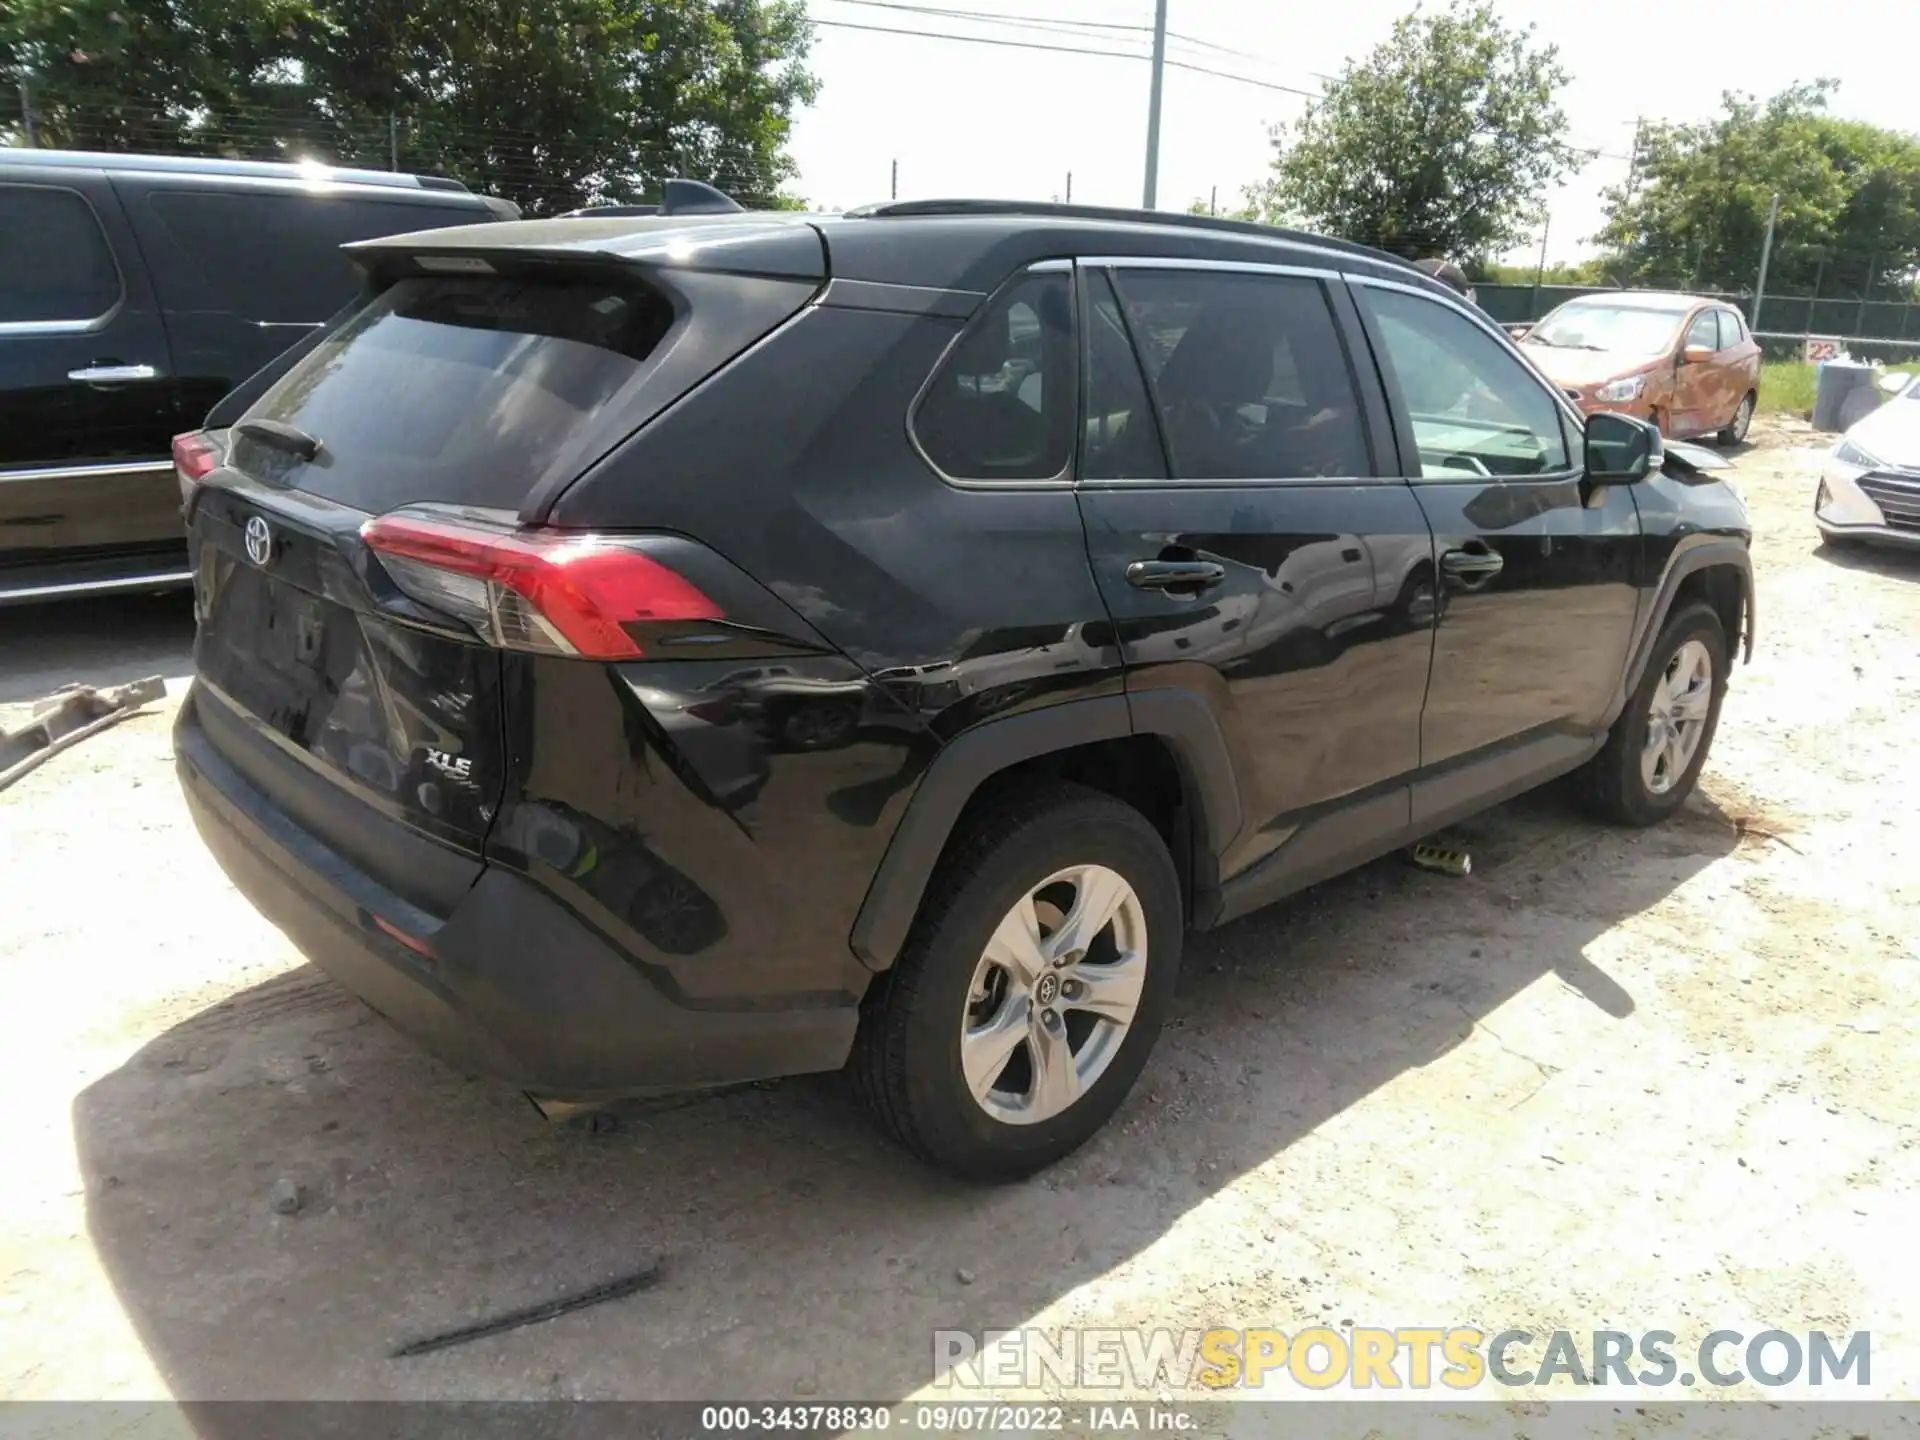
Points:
point(1689, 365)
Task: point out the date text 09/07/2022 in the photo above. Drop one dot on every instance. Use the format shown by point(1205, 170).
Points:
point(944, 1419)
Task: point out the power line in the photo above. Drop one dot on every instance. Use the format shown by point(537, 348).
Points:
point(1066, 50)
point(980, 40)
point(1243, 79)
point(1022, 21)
point(1046, 24)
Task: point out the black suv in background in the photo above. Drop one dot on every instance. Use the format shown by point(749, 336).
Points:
point(654, 652)
point(135, 291)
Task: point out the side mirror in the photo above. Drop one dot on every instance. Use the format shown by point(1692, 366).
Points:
point(1894, 381)
point(1695, 355)
point(1622, 450)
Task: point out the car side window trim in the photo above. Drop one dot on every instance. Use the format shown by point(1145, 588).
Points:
point(1573, 425)
point(1366, 398)
point(1064, 479)
point(1086, 276)
point(1182, 262)
point(28, 328)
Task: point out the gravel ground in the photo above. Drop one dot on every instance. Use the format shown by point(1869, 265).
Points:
point(1632, 1081)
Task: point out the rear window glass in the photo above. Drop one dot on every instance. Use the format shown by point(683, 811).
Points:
point(54, 262)
point(1001, 406)
point(463, 390)
point(277, 258)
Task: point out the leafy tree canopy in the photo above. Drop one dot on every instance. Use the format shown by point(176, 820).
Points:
point(1440, 143)
point(1697, 216)
point(551, 103)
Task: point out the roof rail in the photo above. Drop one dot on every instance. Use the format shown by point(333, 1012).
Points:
point(677, 197)
point(214, 165)
point(1138, 217)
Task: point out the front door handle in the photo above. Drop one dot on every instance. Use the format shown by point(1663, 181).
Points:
point(113, 374)
point(1472, 564)
point(1175, 574)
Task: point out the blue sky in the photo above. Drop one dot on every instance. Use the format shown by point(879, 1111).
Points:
point(977, 120)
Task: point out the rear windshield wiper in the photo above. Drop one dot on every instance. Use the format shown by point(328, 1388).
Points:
point(276, 436)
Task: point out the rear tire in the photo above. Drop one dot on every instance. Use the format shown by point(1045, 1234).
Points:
point(924, 1062)
point(1654, 753)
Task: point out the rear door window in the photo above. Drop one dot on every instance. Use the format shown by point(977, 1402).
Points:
point(463, 390)
point(1122, 441)
point(1732, 332)
point(1001, 405)
point(275, 258)
point(55, 264)
point(1249, 372)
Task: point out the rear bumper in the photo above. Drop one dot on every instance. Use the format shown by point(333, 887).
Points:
point(512, 984)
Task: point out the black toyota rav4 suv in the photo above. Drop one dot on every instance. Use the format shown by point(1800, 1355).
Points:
point(639, 653)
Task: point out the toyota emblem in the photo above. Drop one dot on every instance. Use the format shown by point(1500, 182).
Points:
point(259, 541)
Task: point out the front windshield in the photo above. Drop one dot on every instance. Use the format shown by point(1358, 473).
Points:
point(1628, 329)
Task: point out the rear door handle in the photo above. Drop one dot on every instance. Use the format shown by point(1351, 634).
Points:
point(113, 374)
point(1472, 564)
point(1175, 574)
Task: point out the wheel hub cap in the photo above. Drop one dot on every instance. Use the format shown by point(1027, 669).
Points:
point(1677, 717)
point(1054, 994)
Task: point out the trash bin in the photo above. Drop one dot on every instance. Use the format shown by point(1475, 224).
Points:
point(1844, 392)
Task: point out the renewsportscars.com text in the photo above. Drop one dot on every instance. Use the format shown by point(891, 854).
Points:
point(1412, 1358)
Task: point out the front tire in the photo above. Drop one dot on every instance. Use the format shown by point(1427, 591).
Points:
point(1654, 754)
point(1032, 987)
point(1742, 422)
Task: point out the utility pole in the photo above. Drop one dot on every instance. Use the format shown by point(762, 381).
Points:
point(1633, 164)
point(1069, 187)
point(1213, 201)
point(393, 139)
point(1152, 187)
point(1766, 254)
point(1540, 270)
point(26, 111)
point(893, 187)
point(1866, 290)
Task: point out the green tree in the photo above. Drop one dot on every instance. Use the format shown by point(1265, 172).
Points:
point(1248, 207)
point(1440, 143)
point(1696, 215)
point(1578, 272)
point(551, 103)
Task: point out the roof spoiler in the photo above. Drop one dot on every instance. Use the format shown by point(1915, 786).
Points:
point(678, 197)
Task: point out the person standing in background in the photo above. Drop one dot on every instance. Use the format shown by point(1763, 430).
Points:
point(1450, 275)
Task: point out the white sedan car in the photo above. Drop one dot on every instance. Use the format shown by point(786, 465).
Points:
point(1870, 485)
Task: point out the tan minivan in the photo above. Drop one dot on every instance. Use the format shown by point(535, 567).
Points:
point(1689, 365)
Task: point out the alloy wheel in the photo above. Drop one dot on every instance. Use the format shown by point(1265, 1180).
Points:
point(1054, 994)
point(1677, 718)
point(1743, 419)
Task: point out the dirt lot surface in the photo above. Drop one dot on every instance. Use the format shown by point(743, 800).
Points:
point(1633, 1081)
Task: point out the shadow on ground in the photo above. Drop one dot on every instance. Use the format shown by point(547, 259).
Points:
point(1889, 560)
point(801, 1255)
point(105, 641)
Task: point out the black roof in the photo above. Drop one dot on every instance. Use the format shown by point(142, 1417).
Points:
point(213, 165)
point(1120, 214)
point(965, 245)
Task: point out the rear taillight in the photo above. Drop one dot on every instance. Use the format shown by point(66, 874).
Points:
point(546, 591)
point(193, 460)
